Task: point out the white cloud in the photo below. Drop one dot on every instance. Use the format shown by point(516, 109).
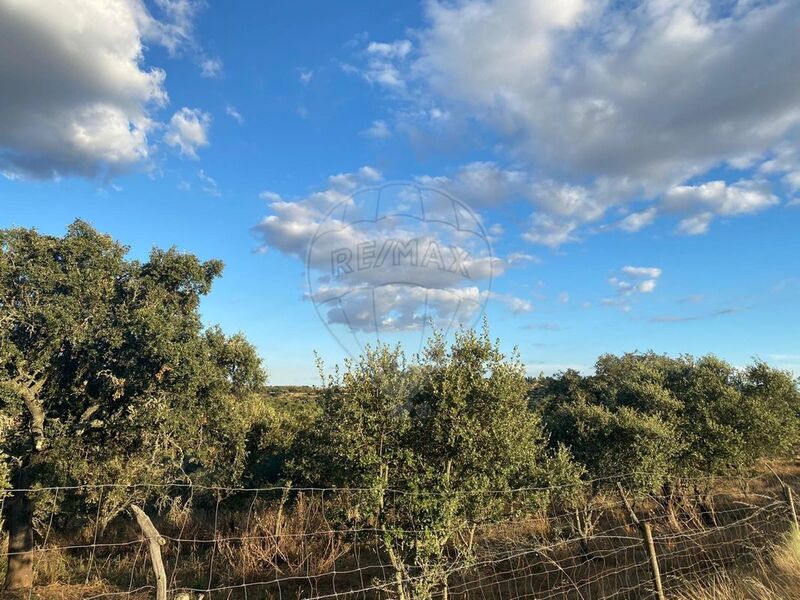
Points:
point(608, 103)
point(632, 280)
point(209, 185)
point(704, 202)
point(379, 130)
point(398, 49)
point(188, 131)
point(234, 114)
point(75, 95)
point(785, 160)
point(638, 272)
point(696, 225)
point(394, 308)
point(270, 196)
point(517, 306)
point(211, 68)
point(412, 251)
point(608, 92)
point(638, 220)
point(305, 75)
point(385, 64)
point(741, 198)
point(481, 184)
point(550, 231)
point(517, 258)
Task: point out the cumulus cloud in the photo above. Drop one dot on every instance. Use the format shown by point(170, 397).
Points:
point(75, 95)
point(391, 256)
point(633, 100)
point(609, 103)
point(715, 198)
point(743, 197)
point(187, 131)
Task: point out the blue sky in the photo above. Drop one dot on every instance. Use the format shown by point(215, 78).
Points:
point(636, 169)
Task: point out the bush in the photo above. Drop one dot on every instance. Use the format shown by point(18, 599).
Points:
point(653, 418)
point(451, 430)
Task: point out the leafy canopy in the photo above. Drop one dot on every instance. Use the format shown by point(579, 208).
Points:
point(106, 371)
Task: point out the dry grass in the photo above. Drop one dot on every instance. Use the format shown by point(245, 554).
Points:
point(289, 547)
point(775, 576)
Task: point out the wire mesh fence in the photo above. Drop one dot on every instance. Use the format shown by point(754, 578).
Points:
point(314, 543)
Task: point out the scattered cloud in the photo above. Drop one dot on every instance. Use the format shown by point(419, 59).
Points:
point(517, 306)
point(234, 114)
point(550, 231)
point(682, 319)
point(638, 220)
point(543, 326)
point(715, 198)
point(209, 185)
point(211, 68)
point(379, 130)
point(305, 75)
point(520, 258)
point(385, 63)
point(187, 131)
point(631, 281)
point(696, 225)
point(270, 196)
point(563, 298)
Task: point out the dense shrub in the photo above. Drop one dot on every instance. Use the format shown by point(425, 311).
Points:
point(451, 431)
point(654, 418)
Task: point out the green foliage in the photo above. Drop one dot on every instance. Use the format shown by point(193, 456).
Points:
point(653, 418)
point(288, 414)
point(105, 370)
point(451, 431)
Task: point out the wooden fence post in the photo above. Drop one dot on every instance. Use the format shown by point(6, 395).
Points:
point(647, 540)
point(790, 501)
point(155, 541)
point(647, 536)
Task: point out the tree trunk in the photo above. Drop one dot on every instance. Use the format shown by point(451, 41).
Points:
point(19, 521)
point(19, 508)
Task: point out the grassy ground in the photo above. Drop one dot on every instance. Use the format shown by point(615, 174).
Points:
point(738, 544)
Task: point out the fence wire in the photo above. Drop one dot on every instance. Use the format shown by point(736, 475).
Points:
point(316, 543)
